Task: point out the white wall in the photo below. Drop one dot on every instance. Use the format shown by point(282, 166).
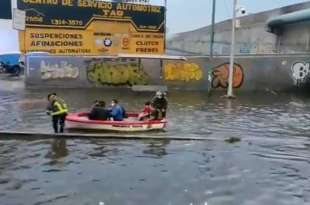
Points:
point(8, 37)
point(9, 41)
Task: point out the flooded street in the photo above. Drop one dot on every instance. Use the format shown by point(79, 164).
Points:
point(269, 166)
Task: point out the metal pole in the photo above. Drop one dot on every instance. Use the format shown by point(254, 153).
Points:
point(212, 28)
point(232, 51)
point(165, 26)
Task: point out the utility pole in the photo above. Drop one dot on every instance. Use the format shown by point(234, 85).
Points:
point(165, 43)
point(232, 53)
point(212, 28)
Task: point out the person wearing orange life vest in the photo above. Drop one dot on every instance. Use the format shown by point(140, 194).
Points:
point(58, 109)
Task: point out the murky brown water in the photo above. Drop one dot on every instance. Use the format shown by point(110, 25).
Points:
point(269, 166)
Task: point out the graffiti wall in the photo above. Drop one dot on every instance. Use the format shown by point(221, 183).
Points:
point(52, 71)
point(300, 73)
point(84, 71)
point(116, 72)
point(220, 76)
point(255, 73)
point(182, 71)
point(61, 70)
point(275, 73)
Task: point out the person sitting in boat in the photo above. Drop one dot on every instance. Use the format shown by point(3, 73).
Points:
point(117, 112)
point(160, 104)
point(98, 111)
point(146, 113)
point(57, 108)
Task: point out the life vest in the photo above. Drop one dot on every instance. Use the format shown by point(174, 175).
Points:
point(59, 107)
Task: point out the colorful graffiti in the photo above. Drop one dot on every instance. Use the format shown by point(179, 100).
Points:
point(58, 70)
point(116, 72)
point(300, 72)
point(220, 75)
point(183, 72)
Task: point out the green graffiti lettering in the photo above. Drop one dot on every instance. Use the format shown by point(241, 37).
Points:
point(116, 73)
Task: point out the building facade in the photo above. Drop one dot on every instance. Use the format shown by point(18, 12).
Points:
point(9, 36)
point(257, 34)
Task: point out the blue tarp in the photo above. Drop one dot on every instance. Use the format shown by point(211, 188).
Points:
point(11, 59)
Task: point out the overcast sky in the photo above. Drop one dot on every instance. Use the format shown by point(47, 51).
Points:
point(185, 15)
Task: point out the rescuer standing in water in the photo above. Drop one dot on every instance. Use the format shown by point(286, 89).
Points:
point(159, 104)
point(58, 109)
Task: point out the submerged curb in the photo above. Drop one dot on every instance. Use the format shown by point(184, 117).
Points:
point(36, 135)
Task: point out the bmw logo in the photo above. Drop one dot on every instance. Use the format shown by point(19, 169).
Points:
point(107, 42)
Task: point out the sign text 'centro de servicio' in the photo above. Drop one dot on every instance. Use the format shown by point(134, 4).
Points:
point(90, 27)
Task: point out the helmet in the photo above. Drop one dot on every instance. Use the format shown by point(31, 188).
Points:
point(51, 95)
point(159, 94)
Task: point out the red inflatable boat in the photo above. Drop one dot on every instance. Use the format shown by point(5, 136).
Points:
point(130, 124)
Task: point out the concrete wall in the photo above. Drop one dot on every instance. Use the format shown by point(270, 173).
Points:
point(294, 38)
point(78, 71)
point(265, 73)
point(250, 39)
point(256, 73)
point(251, 36)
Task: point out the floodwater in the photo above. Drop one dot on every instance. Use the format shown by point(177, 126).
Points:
point(270, 165)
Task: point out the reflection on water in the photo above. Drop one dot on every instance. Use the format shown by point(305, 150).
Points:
point(58, 149)
point(269, 166)
point(156, 148)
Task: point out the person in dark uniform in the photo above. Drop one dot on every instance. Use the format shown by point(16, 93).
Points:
point(98, 111)
point(159, 104)
point(58, 109)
